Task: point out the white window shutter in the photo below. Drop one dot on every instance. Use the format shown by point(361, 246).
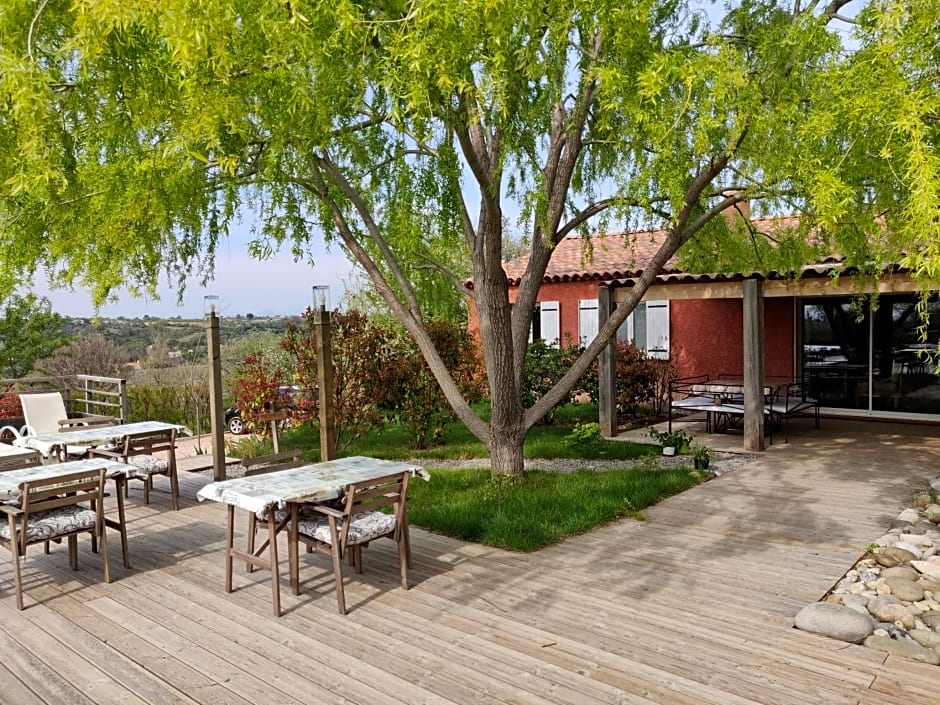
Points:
point(550, 327)
point(587, 320)
point(657, 329)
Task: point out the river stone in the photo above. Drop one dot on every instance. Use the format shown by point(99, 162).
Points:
point(912, 548)
point(892, 556)
point(930, 585)
point(931, 619)
point(927, 568)
point(905, 589)
point(856, 600)
point(926, 638)
point(935, 484)
point(887, 608)
point(900, 571)
point(887, 540)
point(909, 514)
point(907, 649)
point(932, 513)
point(835, 621)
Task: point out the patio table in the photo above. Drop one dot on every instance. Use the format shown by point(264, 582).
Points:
point(266, 493)
point(10, 486)
point(51, 443)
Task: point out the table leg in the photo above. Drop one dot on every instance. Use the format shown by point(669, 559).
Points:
point(275, 578)
point(229, 546)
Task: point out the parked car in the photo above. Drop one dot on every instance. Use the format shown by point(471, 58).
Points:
point(289, 396)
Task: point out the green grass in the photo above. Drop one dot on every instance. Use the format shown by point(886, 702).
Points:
point(542, 509)
point(517, 514)
point(545, 441)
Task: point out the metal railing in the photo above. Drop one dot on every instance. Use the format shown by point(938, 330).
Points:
point(84, 395)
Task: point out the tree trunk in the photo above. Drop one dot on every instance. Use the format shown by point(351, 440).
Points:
point(506, 449)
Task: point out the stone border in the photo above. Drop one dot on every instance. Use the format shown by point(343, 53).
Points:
point(890, 599)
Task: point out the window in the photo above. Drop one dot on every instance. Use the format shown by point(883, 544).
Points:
point(545, 323)
point(587, 320)
point(648, 328)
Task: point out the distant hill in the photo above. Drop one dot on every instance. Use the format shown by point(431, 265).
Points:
point(136, 335)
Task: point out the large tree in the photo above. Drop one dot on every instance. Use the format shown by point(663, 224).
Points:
point(132, 133)
point(29, 331)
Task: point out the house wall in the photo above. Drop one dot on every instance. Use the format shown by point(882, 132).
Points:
point(567, 294)
point(707, 336)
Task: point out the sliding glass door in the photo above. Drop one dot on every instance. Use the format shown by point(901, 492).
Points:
point(858, 358)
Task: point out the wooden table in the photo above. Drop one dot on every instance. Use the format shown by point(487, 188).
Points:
point(51, 443)
point(10, 486)
point(265, 494)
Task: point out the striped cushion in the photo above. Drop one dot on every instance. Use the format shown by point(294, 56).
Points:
point(55, 522)
point(146, 465)
point(363, 528)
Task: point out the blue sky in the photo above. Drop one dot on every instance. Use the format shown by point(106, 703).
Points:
point(272, 287)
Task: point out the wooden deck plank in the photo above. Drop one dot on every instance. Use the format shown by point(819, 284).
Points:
point(692, 607)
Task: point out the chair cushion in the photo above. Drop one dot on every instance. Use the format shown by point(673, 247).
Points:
point(55, 522)
point(364, 527)
point(305, 511)
point(146, 465)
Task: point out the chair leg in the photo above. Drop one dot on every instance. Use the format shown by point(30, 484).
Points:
point(174, 487)
point(338, 576)
point(73, 551)
point(293, 552)
point(15, 550)
point(403, 557)
point(229, 545)
point(104, 553)
point(147, 484)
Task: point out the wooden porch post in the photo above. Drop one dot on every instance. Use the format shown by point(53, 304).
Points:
point(753, 365)
point(607, 369)
point(323, 336)
point(216, 415)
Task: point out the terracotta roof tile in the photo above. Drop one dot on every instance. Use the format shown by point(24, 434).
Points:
point(612, 255)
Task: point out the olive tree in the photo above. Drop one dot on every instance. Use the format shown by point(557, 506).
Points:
point(132, 134)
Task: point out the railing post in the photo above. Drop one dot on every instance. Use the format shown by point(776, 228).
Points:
point(321, 326)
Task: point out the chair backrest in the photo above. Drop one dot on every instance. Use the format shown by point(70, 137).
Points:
point(371, 495)
point(270, 463)
point(42, 412)
point(150, 442)
point(18, 461)
point(62, 491)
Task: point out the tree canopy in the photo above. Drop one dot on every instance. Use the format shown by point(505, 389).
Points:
point(29, 332)
point(132, 134)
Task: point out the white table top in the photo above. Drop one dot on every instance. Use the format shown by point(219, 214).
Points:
point(316, 482)
point(10, 480)
point(48, 443)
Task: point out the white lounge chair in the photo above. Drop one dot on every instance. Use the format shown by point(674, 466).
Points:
point(45, 413)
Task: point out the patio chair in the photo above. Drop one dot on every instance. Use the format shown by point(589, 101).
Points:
point(138, 450)
point(338, 532)
point(261, 465)
point(45, 412)
point(12, 458)
point(56, 508)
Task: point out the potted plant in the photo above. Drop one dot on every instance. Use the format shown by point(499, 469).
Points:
point(701, 454)
point(672, 442)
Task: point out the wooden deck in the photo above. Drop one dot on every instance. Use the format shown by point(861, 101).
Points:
point(693, 606)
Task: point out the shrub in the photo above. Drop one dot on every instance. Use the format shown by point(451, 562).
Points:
point(678, 439)
point(584, 434)
point(255, 388)
point(360, 351)
point(544, 365)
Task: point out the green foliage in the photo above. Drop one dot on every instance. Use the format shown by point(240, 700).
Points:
point(29, 331)
point(585, 434)
point(134, 135)
point(408, 392)
point(360, 351)
point(544, 365)
point(677, 438)
point(255, 386)
point(542, 510)
point(639, 378)
point(700, 451)
point(182, 403)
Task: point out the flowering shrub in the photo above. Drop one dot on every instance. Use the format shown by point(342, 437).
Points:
point(255, 388)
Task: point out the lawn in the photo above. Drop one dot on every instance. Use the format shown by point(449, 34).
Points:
point(520, 514)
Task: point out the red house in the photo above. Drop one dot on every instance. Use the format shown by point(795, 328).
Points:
point(859, 355)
